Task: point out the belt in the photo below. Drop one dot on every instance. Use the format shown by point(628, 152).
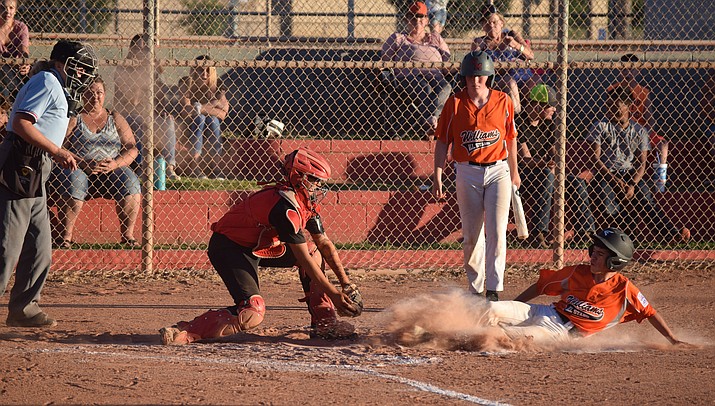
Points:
point(485, 164)
point(573, 331)
point(563, 318)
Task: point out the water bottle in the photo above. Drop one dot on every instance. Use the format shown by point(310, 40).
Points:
point(159, 173)
point(660, 175)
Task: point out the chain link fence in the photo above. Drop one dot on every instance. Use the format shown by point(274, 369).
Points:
point(236, 85)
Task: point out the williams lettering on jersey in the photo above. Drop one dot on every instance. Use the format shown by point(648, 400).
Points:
point(473, 140)
point(583, 309)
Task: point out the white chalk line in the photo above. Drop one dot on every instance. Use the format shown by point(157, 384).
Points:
point(290, 366)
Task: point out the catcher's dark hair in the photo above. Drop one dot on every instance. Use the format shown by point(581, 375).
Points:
point(620, 93)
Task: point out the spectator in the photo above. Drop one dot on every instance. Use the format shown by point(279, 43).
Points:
point(427, 86)
point(14, 43)
point(478, 124)
point(620, 152)
point(205, 106)
point(131, 96)
point(505, 45)
point(437, 15)
point(641, 113)
point(536, 154)
point(104, 145)
point(36, 131)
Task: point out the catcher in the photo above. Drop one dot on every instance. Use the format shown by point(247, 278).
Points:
point(266, 229)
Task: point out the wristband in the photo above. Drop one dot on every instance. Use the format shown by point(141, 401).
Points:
point(521, 48)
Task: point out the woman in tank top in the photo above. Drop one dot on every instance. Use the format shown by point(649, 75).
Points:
point(104, 146)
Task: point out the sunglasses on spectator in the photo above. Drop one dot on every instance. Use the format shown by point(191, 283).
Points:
point(418, 16)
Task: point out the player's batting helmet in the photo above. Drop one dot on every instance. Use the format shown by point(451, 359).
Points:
point(478, 63)
point(620, 245)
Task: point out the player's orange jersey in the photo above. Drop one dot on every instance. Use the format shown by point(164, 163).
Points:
point(477, 134)
point(591, 306)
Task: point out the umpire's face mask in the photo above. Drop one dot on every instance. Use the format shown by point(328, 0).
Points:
point(80, 72)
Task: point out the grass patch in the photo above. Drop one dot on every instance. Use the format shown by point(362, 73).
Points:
point(211, 184)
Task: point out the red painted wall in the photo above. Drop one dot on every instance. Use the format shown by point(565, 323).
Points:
point(356, 216)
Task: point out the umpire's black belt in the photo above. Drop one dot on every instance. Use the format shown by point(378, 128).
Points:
point(485, 164)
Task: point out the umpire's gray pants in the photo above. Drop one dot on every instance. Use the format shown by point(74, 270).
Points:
point(25, 242)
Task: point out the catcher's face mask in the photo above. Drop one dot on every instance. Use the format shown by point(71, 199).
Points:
point(315, 188)
point(80, 70)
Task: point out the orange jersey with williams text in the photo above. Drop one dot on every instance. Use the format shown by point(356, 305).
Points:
point(477, 134)
point(591, 306)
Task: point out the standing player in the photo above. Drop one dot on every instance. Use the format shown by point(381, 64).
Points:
point(478, 123)
point(256, 232)
point(36, 131)
point(593, 297)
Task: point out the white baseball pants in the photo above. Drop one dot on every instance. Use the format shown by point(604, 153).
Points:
point(484, 197)
point(519, 320)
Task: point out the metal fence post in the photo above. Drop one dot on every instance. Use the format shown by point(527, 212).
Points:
point(561, 85)
point(149, 11)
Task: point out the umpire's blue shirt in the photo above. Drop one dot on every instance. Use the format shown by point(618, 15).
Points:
point(43, 97)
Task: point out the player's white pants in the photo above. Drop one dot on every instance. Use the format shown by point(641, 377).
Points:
point(522, 320)
point(484, 197)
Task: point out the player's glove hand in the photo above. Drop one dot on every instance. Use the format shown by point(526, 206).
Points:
point(355, 297)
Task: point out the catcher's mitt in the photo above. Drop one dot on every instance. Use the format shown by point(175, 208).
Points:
point(356, 299)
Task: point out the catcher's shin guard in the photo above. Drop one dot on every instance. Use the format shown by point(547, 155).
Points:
point(216, 323)
point(323, 317)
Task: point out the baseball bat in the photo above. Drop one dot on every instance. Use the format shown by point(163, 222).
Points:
point(522, 230)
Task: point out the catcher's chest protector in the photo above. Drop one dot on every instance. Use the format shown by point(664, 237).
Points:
point(247, 223)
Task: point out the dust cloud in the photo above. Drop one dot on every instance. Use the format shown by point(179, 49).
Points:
point(457, 320)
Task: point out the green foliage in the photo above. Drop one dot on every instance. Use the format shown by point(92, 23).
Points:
point(207, 17)
point(66, 15)
point(186, 183)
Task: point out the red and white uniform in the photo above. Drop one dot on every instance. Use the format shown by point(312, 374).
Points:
point(268, 219)
point(478, 142)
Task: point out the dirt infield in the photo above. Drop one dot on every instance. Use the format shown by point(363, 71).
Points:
point(106, 350)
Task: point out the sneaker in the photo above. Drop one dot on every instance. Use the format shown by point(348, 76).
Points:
point(492, 296)
point(537, 240)
point(41, 319)
point(173, 336)
point(171, 173)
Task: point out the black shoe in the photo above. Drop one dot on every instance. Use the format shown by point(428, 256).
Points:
point(492, 296)
point(41, 319)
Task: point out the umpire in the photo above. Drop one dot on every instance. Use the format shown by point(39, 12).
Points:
point(36, 131)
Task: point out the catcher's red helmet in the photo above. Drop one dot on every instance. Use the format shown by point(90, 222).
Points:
point(305, 162)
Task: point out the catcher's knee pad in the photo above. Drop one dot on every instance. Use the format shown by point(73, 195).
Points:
point(251, 313)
